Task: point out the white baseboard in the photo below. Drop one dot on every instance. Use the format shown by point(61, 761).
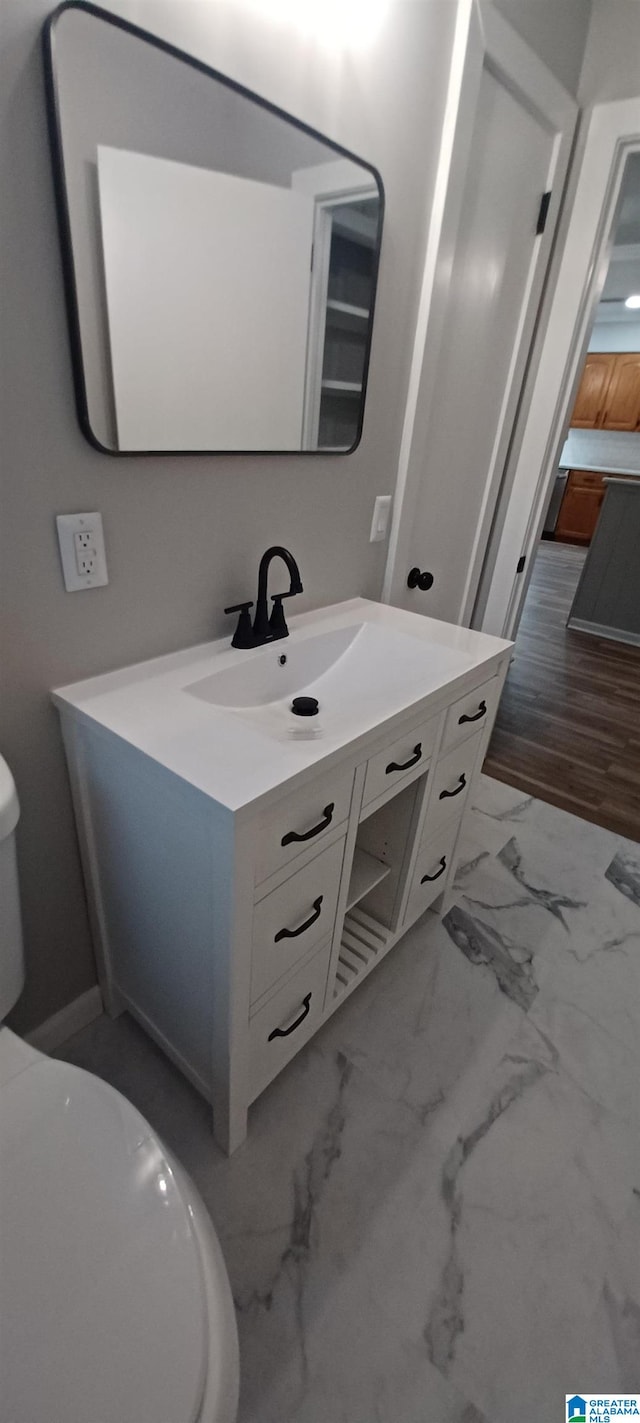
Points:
point(51, 1034)
point(191, 1074)
point(599, 630)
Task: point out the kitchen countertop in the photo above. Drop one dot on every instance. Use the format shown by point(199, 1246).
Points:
point(608, 473)
point(602, 451)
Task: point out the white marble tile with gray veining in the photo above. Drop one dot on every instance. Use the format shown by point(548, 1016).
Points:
point(436, 1213)
point(556, 887)
point(539, 1186)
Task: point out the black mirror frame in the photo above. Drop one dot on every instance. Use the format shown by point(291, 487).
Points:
point(65, 234)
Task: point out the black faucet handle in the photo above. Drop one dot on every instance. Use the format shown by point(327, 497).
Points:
point(243, 635)
point(293, 593)
point(277, 621)
point(239, 608)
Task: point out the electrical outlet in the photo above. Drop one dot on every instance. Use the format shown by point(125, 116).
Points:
point(87, 563)
point(86, 553)
point(82, 551)
point(380, 521)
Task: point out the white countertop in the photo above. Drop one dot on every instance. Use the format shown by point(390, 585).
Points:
point(236, 764)
point(602, 452)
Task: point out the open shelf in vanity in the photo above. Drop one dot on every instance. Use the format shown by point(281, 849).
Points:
point(366, 872)
point(363, 942)
point(383, 837)
point(371, 911)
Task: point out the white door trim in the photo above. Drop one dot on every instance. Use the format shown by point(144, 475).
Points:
point(610, 132)
point(482, 37)
point(462, 96)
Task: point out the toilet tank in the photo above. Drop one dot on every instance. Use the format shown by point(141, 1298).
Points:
point(11, 955)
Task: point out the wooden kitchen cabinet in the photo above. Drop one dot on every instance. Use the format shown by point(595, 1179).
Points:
point(580, 507)
point(590, 400)
point(609, 394)
point(622, 401)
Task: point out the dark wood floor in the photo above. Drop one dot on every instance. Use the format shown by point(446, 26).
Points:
point(568, 727)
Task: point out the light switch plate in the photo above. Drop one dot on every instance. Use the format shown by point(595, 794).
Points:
point(380, 521)
point(82, 551)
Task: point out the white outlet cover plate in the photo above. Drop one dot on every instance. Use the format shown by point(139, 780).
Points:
point(68, 525)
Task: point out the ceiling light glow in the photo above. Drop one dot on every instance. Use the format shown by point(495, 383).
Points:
point(633, 302)
point(341, 24)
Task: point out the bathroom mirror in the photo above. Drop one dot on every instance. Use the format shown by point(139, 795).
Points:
point(220, 257)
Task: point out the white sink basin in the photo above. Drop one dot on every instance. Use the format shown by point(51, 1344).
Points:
point(358, 672)
point(220, 718)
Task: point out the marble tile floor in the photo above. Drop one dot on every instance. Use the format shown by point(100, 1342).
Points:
point(436, 1215)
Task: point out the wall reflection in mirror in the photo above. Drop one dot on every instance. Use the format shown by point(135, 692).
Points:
point(220, 258)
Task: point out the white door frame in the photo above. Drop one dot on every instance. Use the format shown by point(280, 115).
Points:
point(610, 132)
point(482, 38)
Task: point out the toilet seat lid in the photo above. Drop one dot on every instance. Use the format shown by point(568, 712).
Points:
point(103, 1313)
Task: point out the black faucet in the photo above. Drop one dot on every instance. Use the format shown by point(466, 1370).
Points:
point(266, 628)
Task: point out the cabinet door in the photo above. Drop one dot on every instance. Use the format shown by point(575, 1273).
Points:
point(580, 509)
point(591, 397)
point(622, 405)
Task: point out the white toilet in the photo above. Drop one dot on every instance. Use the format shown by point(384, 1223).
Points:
point(115, 1305)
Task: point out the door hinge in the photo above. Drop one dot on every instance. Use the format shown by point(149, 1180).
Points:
point(521, 563)
point(542, 215)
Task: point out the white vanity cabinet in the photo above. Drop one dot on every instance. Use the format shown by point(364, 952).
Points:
point(231, 932)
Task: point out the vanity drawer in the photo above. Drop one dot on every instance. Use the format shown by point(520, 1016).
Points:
point(471, 713)
point(303, 821)
point(432, 867)
point(288, 1020)
point(400, 761)
point(289, 921)
point(450, 787)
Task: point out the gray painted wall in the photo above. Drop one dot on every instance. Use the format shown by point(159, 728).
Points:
point(611, 68)
point(556, 30)
point(615, 335)
point(183, 536)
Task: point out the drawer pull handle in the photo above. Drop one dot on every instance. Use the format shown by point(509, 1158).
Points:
point(460, 787)
point(428, 879)
point(396, 766)
point(284, 1032)
point(292, 835)
point(293, 933)
point(482, 711)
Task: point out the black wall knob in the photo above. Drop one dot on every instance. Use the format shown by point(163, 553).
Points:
point(416, 579)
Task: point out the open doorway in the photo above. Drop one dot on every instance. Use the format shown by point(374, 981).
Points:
point(567, 729)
